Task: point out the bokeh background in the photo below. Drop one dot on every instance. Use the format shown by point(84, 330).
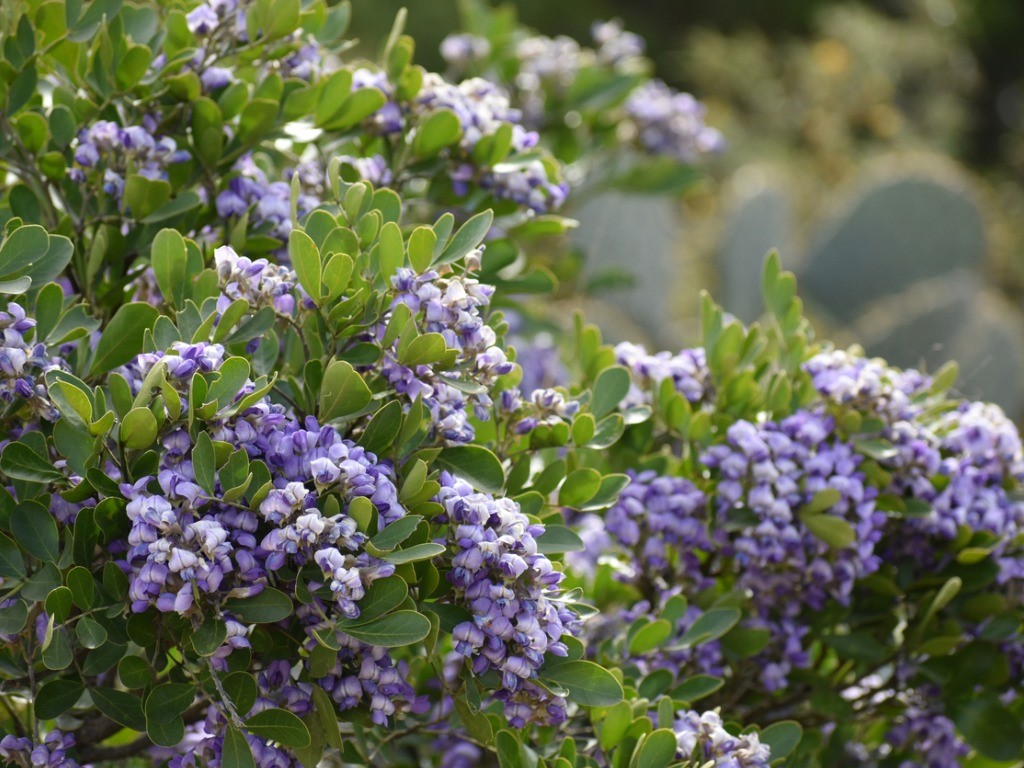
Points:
point(879, 145)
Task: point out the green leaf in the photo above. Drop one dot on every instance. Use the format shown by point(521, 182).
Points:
point(204, 463)
point(168, 700)
point(557, 539)
point(170, 265)
point(696, 688)
point(122, 338)
point(183, 203)
point(138, 428)
point(241, 689)
point(58, 604)
point(413, 554)
point(123, 708)
point(990, 727)
point(24, 247)
point(879, 450)
point(423, 350)
point(11, 562)
point(390, 250)
point(395, 533)
point(19, 462)
point(279, 725)
point(512, 753)
point(134, 672)
point(611, 386)
point(232, 376)
point(383, 428)
point(782, 738)
point(359, 105)
point(143, 196)
point(421, 248)
point(305, 257)
point(392, 630)
point(14, 617)
point(658, 750)
point(468, 237)
point(438, 130)
point(90, 632)
point(822, 501)
point(616, 722)
point(166, 734)
point(711, 626)
point(579, 487)
point(649, 637)
point(474, 464)
point(58, 696)
point(16, 286)
point(268, 607)
point(236, 752)
point(35, 529)
point(383, 596)
point(343, 392)
point(589, 685)
point(832, 530)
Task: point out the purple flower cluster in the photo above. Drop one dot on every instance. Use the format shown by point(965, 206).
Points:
point(550, 65)
point(925, 739)
point(461, 49)
point(207, 747)
point(512, 592)
point(960, 460)
point(220, 26)
point(703, 741)
point(688, 371)
point(539, 358)
point(671, 123)
point(51, 752)
point(453, 307)
point(766, 477)
point(981, 457)
point(869, 385)
point(616, 47)
point(23, 364)
point(260, 282)
point(766, 474)
point(120, 151)
point(269, 203)
point(545, 407)
point(663, 522)
point(186, 544)
point(482, 109)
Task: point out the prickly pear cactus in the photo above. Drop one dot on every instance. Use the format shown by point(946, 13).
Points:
point(895, 233)
point(759, 219)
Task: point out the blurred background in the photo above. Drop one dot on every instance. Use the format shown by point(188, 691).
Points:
point(879, 145)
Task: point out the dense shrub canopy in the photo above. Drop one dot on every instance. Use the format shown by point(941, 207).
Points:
point(276, 491)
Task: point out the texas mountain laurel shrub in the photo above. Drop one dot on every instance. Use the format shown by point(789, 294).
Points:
point(273, 490)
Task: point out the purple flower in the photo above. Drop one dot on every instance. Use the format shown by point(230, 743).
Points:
point(702, 739)
point(671, 123)
point(512, 592)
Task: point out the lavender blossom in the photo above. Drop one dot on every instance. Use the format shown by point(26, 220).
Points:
point(452, 307)
point(703, 740)
point(511, 591)
point(51, 752)
point(23, 364)
point(688, 371)
point(117, 151)
point(671, 123)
